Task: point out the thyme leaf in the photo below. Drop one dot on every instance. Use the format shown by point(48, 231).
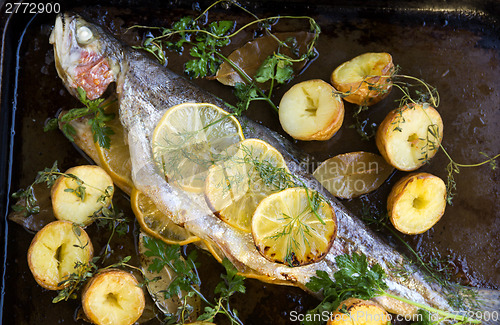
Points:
point(26, 200)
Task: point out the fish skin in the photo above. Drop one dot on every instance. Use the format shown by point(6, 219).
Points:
point(145, 91)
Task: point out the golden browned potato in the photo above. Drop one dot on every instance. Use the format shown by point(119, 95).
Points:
point(113, 297)
point(416, 203)
point(311, 110)
point(366, 79)
point(67, 203)
point(355, 311)
point(55, 251)
point(409, 136)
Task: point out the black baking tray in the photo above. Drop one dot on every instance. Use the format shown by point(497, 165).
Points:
point(451, 44)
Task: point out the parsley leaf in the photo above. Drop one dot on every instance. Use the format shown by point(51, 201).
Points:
point(97, 120)
point(275, 68)
point(354, 272)
point(187, 279)
point(355, 278)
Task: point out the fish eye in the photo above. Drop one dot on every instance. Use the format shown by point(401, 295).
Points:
point(83, 35)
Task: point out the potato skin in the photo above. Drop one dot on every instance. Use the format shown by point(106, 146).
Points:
point(386, 131)
point(329, 132)
point(360, 92)
point(398, 191)
point(356, 306)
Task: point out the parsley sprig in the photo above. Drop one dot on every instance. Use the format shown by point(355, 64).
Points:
point(356, 278)
point(188, 280)
point(207, 40)
point(97, 120)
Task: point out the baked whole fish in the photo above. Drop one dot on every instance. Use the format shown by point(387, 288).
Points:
point(88, 57)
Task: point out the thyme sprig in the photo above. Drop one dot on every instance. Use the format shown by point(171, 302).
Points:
point(356, 278)
point(188, 280)
point(26, 200)
point(84, 271)
point(97, 120)
point(206, 41)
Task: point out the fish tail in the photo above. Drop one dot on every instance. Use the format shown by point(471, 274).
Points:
point(484, 306)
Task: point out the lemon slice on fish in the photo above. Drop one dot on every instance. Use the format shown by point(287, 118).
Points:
point(189, 139)
point(286, 230)
point(235, 187)
point(116, 160)
point(157, 224)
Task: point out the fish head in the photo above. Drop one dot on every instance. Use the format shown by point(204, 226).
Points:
point(86, 57)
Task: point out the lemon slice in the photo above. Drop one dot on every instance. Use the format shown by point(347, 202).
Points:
point(286, 230)
point(189, 139)
point(352, 174)
point(116, 160)
point(235, 187)
point(156, 223)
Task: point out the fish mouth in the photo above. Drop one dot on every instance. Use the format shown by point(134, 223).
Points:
point(61, 38)
point(78, 56)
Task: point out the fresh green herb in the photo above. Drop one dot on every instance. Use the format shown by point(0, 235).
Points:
point(187, 280)
point(206, 40)
point(364, 128)
point(97, 120)
point(79, 191)
point(454, 168)
point(108, 218)
point(231, 283)
point(355, 278)
point(83, 271)
point(246, 93)
point(26, 200)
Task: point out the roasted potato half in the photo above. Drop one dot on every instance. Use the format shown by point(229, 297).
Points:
point(366, 79)
point(72, 203)
point(355, 311)
point(113, 297)
point(56, 251)
point(311, 110)
point(416, 202)
point(409, 136)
